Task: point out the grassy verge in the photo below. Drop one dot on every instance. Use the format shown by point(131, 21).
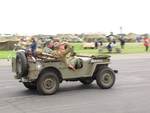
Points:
point(6, 54)
point(130, 48)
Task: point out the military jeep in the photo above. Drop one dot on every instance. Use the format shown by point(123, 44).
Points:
point(45, 74)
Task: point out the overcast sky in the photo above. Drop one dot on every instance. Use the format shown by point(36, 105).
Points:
point(74, 16)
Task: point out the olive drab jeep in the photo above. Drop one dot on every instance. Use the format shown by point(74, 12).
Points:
point(46, 73)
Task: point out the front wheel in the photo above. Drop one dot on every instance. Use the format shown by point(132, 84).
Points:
point(105, 78)
point(48, 83)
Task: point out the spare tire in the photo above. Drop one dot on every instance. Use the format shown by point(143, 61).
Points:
point(21, 64)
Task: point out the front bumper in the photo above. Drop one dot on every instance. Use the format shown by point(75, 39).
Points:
point(115, 71)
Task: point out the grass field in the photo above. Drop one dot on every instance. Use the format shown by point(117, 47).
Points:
point(129, 49)
point(6, 54)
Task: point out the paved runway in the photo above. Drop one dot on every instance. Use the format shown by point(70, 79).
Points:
point(130, 94)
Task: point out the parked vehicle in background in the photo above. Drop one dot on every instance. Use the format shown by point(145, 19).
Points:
point(88, 45)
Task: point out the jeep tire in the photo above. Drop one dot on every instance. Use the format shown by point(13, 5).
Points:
point(105, 78)
point(21, 64)
point(47, 83)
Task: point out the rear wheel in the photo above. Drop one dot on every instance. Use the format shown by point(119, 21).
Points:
point(105, 78)
point(30, 85)
point(86, 81)
point(48, 83)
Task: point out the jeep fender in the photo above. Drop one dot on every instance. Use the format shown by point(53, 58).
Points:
point(55, 70)
point(97, 68)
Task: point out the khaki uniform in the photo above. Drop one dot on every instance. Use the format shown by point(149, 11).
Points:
point(62, 52)
point(25, 43)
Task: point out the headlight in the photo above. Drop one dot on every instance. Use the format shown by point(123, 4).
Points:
point(38, 66)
